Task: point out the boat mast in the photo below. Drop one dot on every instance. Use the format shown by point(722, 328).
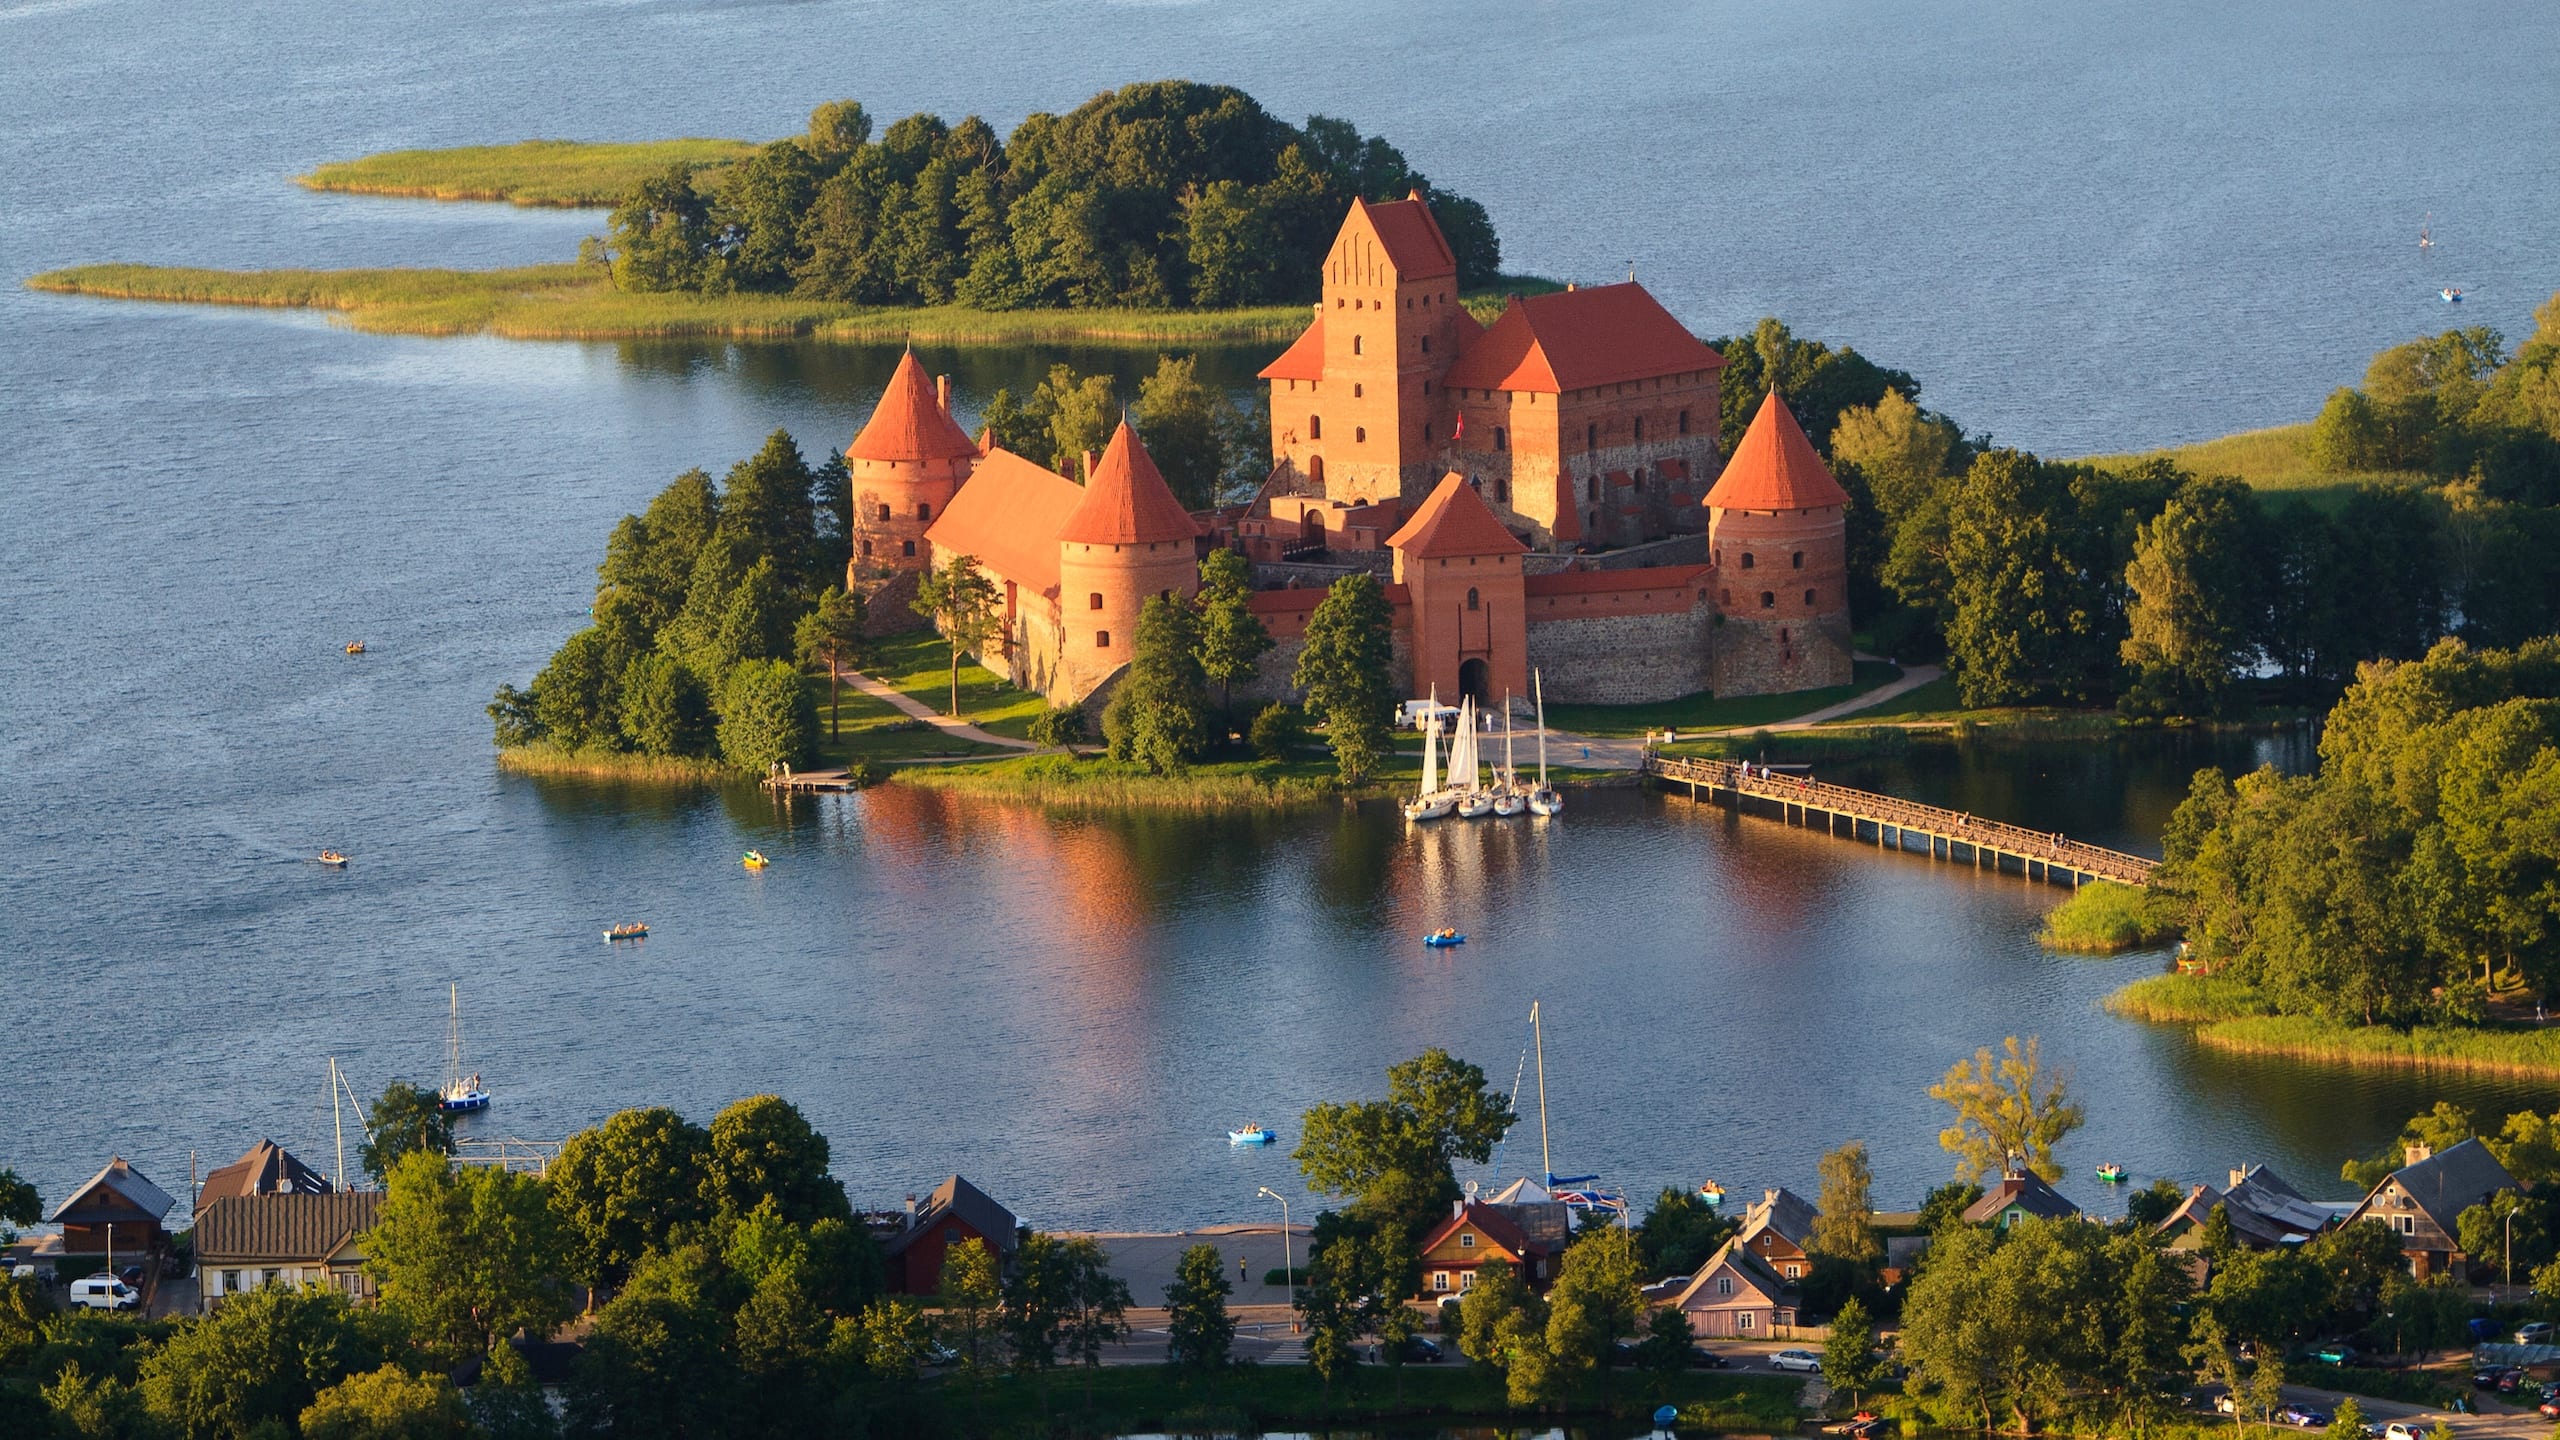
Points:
point(1510, 772)
point(337, 1122)
point(1546, 1158)
point(453, 1043)
point(1431, 755)
point(1540, 680)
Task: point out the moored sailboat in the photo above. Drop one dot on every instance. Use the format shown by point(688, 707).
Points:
point(459, 1092)
point(1544, 800)
point(1466, 778)
point(1507, 799)
point(1430, 802)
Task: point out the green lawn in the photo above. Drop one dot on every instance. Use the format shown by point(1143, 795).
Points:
point(1703, 711)
point(918, 665)
point(2276, 460)
point(530, 172)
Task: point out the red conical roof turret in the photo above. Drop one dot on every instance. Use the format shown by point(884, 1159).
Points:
point(1127, 502)
point(909, 423)
point(1775, 467)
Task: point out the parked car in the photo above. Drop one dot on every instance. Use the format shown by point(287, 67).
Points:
point(1417, 1351)
point(1451, 1301)
point(2402, 1430)
point(1804, 1360)
point(2487, 1377)
point(2550, 1406)
point(2335, 1353)
point(1702, 1358)
point(131, 1275)
point(104, 1292)
point(41, 1274)
point(2226, 1404)
point(2304, 1416)
point(2537, 1333)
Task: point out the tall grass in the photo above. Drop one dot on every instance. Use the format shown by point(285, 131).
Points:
point(2526, 1053)
point(2186, 1000)
point(2277, 459)
point(1059, 783)
point(564, 302)
point(546, 759)
point(2105, 918)
point(530, 172)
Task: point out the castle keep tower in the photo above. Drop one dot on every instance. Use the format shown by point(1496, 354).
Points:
point(1127, 539)
point(1777, 542)
point(909, 460)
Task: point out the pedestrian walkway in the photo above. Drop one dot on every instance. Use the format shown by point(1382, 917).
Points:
point(1617, 753)
point(908, 705)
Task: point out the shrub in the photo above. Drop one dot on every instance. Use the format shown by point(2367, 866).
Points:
point(1058, 725)
point(1278, 730)
point(2103, 917)
point(767, 715)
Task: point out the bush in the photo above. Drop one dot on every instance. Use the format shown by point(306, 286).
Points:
point(862, 774)
point(1277, 1276)
point(1276, 731)
point(767, 716)
point(2103, 917)
point(1058, 725)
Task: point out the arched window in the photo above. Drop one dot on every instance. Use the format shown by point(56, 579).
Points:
point(866, 549)
point(1359, 434)
point(1501, 438)
point(909, 547)
point(1782, 635)
point(1472, 601)
point(1093, 601)
point(1768, 600)
point(1684, 422)
point(1101, 639)
point(1356, 392)
point(1355, 344)
point(1799, 557)
point(923, 511)
point(1426, 432)
point(1808, 599)
point(1591, 488)
point(1502, 489)
point(1746, 559)
point(884, 512)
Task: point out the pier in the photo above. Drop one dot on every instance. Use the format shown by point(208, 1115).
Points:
point(1861, 814)
point(786, 780)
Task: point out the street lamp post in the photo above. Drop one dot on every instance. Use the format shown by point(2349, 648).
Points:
point(1288, 1266)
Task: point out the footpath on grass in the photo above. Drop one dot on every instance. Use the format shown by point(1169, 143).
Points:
point(915, 709)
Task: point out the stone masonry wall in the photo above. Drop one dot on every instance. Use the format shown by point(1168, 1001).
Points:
point(1622, 659)
point(1768, 657)
point(1678, 550)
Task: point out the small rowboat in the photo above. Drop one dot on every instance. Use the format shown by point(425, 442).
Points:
point(1443, 939)
point(1712, 1193)
point(2112, 1173)
point(2452, 295)
point(355, 647)
point(332, 859)
point(633, 931)
point(1252, 1135)
point(754, 860)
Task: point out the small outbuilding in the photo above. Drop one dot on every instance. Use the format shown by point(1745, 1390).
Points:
point(956, 1213)
point(117, 1212)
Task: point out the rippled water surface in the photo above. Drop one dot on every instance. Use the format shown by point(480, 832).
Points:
point(2086, 228)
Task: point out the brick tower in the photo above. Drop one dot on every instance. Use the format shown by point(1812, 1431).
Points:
point(1461, 570)
point(1127, 539)
point(1777, 544)
point(909, 460)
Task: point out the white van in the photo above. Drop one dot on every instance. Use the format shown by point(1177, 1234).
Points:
point(104, 1292)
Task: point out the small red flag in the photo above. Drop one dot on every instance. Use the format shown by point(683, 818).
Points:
point(1460, 432)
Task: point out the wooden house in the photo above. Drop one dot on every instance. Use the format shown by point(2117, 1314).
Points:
point(1473, 1234)
point(2265, 1212)
point(2019, 1194)
point(1737, 1296)
point(248, 1241)
point(1776, 1232)
point(956, 1213)
point(118, 1212)
point(2421, 1201)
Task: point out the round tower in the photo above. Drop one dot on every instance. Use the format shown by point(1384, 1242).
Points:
point(1127, 539)
point(1777, 541)
point(907, 463)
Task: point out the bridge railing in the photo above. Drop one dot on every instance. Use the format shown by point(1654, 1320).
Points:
point(2043, 846)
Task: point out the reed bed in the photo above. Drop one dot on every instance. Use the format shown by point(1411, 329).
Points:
point(1058, 783)
point(2186, 1000)
point(2524, 1053)
point(551, 760)
point(569, 173)
point(2105, 918)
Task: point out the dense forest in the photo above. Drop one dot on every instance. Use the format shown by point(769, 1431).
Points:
point(1156, 195)
point(2177, 595)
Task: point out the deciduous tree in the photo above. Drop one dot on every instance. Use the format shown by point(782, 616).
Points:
point(404, 1119)
point(959, 599)
point(1199, 1333)
point(1850, 1360)
point(1393, 1156)
point(261, 1359)
point(2005, 1105)
point(468, 1255)
point(1158, 717)
point(763, 1148)
point(829, 637)
point(1231, 639)
point(626, 1187)
point(387, 1404)
point(1843, 1227)
point(1343, 667)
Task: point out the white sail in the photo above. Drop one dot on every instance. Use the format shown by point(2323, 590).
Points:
point(1430, 756)
point(1510, 771)
point(1462, 753)
point(1541, 682)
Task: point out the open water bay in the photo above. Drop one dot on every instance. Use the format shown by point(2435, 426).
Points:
point(2091, 228)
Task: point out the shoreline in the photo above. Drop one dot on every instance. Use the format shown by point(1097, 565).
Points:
point(2232, 1018)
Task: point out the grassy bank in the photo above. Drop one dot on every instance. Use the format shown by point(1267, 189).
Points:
point(1703, 711)
point(2104, 918)
point(612, 765)
point(1125, 1399)
point(2233, 1017)
point(530, 172)
point(1059, 782)
point(2276, 460)
point(918, 666)
point(564, 302)
point(2186, 1000)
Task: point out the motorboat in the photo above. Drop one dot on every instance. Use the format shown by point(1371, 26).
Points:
point(332, 859)
point(633, 931)
point(1545, 800)
point(2112, 1173)
point(754, 860)
point(460, 1093)
point(1252, 1135)
point(1443, 939)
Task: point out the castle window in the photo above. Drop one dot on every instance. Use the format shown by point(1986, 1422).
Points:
point(1426, 344)
point(1426, 433)
point(1808, 599)
point(1782, 635)
point(1684, 422)
point(923, 511)
point(1799, 557)
point(1639, 429)
point(1590, 437)
point(1472, 600)
point(1359, 434)
point(884, 512)
point(1591, 488)
point(1101, 639)
point(1502, 489)
point(1357, 391)
point(1768, 600)
point(1501, 438)
point(1746, 559)
point(1093, 601)
point(1315, 427)
point(866, 549)
point(1426, 387)
point(1355, 344)
point(909, 547)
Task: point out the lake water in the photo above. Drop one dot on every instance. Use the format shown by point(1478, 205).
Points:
point(2110, 226)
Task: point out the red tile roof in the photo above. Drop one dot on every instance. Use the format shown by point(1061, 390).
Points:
point(1127, 502)
point(1576, 339)
point(1491, 1223)
point(909, 423)
point(1303, 360)
point(1775, 467)
point(1009, 515)
point(1455, 521)
point(1412, 239)
point(1597, 582)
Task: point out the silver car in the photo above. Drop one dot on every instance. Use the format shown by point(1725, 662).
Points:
point(1804, 1360)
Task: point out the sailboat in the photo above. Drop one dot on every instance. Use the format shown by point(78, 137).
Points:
point(2426, 232)
point(1507, 799)
point(1575, 1191)
point(1465, 770)
point(1430, 802)
point(1544, 800)
point(460, 1092)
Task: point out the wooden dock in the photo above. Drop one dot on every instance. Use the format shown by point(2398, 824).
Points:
point(1857, 814)
point(807, 780)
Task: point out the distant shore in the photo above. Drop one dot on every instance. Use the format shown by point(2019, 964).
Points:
point(575, 174)
point(2234, 1018)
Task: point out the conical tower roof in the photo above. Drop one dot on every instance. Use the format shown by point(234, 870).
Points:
point(909, 423)
point(1127, 502)
point(1775, 467)
point(1454, 521)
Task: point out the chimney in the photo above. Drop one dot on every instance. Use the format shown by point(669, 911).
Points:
point(942, 392)
point(2418, 1151)
point(2239, 1173)
point(1457, 1209)
point(911, 1212)
point(1088, 467)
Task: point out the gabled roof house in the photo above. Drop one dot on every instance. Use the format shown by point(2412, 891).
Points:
point(246, 1241)
point(2422, 1200)
point(956, 1213)
point(1737, 1296)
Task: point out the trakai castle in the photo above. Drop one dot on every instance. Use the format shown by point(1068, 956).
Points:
point(1544, 493)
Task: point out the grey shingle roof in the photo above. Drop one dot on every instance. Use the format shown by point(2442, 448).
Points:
point(974, 1207)
point(283, 1227)
point(1784, 1211)
point(267, 1169)
point(2453, 1180)
point(2027, 1192)
point(136, 1199)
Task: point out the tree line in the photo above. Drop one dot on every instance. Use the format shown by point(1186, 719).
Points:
point(1161, 194)
point(2416, 873)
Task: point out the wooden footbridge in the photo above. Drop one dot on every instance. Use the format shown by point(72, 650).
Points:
point(1856, 814)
